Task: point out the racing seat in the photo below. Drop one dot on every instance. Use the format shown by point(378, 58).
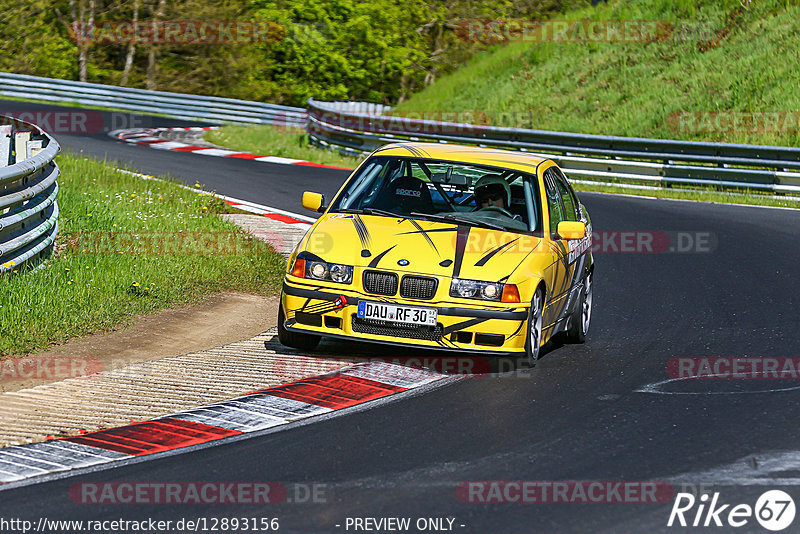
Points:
point(405, 194)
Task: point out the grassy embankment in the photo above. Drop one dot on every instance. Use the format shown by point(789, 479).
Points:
point(717, 57)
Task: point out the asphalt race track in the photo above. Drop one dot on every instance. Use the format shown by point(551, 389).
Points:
point(579, 415)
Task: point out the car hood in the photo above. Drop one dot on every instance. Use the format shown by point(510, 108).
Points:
point(419, 246)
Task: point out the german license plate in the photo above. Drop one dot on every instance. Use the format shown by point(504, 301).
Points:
point(397, 314)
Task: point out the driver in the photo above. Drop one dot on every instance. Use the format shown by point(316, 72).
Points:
point(492, 190)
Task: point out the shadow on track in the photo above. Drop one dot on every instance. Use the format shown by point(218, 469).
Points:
point(446, 362)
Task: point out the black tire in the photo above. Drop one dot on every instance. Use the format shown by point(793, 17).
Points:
point(533, 336)
point(294, 340)
point(582, 316)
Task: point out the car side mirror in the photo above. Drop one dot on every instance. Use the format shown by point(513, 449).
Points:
point(571, 230)
point(313, 201)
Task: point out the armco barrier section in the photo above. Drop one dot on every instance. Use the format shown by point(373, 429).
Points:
point(28, 189)
point(213, 109)
point(604, 158)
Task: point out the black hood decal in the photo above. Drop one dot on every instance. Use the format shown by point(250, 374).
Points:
point(425, 235)
point(376, 260)
point(462, 236)
point(450, 229)
point(362, 231)
point(481, 262)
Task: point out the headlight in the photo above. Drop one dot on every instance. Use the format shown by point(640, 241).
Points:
point(318, 270)
point(341, 273)
point(490, 291)
point(464, 288)
point(475, 289)
point(334, 272)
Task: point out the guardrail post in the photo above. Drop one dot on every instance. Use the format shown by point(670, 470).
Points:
point(21, 146)
point(5, 145)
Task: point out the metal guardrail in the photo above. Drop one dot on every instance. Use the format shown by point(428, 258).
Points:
point(364, 108)
point(358, 128)
point(591, 157)
point(178, 105)
point(28, 189)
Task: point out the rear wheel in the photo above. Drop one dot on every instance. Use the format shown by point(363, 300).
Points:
point(533, 341)
point(580, 319)
point(294, 339)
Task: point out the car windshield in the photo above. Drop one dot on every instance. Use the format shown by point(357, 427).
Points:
point(444, 191)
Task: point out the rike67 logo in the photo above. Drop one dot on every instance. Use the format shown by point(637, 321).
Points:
point(774, 510)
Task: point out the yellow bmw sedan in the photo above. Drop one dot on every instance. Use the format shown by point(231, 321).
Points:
point(447, 247)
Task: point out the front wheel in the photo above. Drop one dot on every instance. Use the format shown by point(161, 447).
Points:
point(294, 340)
point(579, 321)
point(533, 341)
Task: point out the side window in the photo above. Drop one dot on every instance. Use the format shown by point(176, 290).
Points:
point(416, 171)
point(554, 204)
point(572, 211)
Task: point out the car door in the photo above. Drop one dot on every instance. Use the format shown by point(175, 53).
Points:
point(564, 272)
point(578, 250)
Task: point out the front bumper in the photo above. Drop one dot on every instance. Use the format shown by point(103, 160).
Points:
point(331, 312)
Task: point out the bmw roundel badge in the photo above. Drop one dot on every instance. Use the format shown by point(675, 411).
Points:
point(402, 263)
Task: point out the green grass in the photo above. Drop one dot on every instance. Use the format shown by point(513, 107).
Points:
point(273, 141)
point(722, 57)
point(122, 252)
